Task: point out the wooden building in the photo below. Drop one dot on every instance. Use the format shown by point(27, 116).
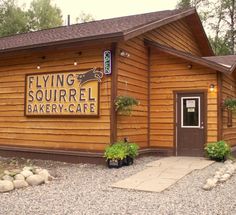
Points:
point(163, 59)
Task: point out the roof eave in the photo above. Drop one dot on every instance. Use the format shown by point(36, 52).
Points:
point(187, 56)
point(113, 37)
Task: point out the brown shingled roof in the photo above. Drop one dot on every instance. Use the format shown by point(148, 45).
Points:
point(109, 28)
point(227, 60)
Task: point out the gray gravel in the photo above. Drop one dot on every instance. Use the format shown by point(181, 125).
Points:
point(84, 189)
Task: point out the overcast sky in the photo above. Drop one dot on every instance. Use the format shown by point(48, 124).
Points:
point(102, 9)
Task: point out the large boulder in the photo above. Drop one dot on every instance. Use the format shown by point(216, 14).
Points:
point(20, 183)
point(19, 177)
point(35, 180)
point(6, 186)
point(45, 175)
point(7, 178)
point(26, 173)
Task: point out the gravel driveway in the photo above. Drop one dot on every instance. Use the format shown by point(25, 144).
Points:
point(84, 189)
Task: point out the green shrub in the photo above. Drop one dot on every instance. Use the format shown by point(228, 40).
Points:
point(218, 151)
point(120, 150)
point(133, 150)
point(116, 151)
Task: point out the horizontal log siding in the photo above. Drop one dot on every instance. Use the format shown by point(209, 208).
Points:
point(60, 132)
point(176, 35)
point(133, 81)
point(229, 91)
point(170, 74)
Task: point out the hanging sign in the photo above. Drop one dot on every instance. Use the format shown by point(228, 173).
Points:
point(63, 94)
point(107, 62)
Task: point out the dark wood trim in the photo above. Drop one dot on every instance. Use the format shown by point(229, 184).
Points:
point(176, 92)
point(53, 154)
point(187, 56)
point(148, 27)
point(114, 82)
point(149, 95)
point(229, 118)
point(219, 107)
point(195, 24)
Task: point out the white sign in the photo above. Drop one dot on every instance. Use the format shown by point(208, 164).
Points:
point(190, 103)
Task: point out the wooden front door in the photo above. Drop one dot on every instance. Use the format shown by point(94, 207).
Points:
point(190, 124)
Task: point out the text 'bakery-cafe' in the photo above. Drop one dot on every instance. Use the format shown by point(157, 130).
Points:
point(58, 88)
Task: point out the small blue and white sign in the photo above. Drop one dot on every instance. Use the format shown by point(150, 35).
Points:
point(107, 62)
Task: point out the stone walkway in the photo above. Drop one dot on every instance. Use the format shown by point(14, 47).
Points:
point(161, 174)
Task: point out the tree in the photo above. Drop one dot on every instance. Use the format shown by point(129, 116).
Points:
point(13, 20)
point(84, 17)
point(43, 15)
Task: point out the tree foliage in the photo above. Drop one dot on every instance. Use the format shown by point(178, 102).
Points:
point(12, 19)
point(43, 15)
point(84, 17)
point(219, 20)
point(15, 19)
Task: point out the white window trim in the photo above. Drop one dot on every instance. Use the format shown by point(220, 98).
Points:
point(199, 112)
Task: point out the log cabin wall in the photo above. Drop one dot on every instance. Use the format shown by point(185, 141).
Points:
point(85, 134)
point(176, 35)
point(169, 74)
point(133, 81)
point(228, 91)
point(133, 77)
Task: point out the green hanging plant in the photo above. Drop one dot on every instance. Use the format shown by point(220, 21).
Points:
point(230, 104)
point(124, 104)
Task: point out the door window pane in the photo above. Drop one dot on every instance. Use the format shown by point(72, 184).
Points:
point(190, 111)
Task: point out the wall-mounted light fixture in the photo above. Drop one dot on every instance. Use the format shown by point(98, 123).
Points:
point(212, 88)
point(190, 66)
point(41, 59)
point(124, 53)
point(75, 63)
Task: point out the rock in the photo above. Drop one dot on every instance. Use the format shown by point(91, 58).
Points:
point(44, 173)
point(34, 180)
point(6, 186)
point(19, 177)
point(7, 178)
point(207, 187)
point(20, 184)
point(211, 182)
point(6, 172)
point(29, 168)
point(228, 162)
point(224, 177)
point(37, 170)
point(26, 173)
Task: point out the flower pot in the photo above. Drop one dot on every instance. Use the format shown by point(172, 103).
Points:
point(128, 161)
point(115, 163)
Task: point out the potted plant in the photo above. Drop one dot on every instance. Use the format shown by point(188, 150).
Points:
point(132, 152)
point(115, 155)
point(218, 151)
point(124, 104)
point(120, 153)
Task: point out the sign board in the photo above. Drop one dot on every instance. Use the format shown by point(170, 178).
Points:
point(63, 94)
point(191, 104)
point(107, 62)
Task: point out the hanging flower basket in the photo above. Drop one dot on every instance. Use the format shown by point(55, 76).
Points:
point(124, 105)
